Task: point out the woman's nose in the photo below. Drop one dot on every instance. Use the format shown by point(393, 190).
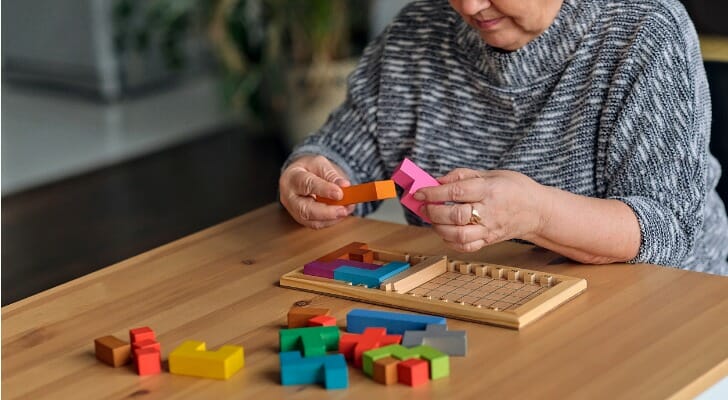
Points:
point(472, 7)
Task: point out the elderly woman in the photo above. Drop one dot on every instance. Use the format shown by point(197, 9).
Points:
point(581, 126)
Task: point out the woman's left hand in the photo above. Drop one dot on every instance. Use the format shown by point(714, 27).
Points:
point(509, 205)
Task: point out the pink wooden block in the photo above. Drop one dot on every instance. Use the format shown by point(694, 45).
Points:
point(412, 178)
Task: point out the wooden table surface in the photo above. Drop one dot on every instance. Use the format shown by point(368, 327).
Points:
point(638, 331)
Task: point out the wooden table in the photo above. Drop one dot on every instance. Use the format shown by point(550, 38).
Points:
point(639, 331)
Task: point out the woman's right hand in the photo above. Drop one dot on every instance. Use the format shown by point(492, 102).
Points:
point(310, 176)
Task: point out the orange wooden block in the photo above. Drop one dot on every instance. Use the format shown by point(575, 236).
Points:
point(298, 316)
point(322, 320)
point(385, 370)
point(112, 350)
point(343, 252)
point(362, 255)
point(371, 191)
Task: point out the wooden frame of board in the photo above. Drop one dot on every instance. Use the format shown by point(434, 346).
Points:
point(427, 287)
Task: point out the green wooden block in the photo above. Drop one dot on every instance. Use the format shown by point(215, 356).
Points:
point(393, 350)
point(439, 361)
point(312, 341)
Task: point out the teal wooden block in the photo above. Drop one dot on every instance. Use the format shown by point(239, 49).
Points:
point(439, 361)
point(370, 278)
point(329, 370)
point(311, 341)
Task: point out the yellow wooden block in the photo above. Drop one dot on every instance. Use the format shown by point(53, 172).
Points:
point(191, 358)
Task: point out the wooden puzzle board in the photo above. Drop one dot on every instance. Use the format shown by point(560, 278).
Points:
point(481, 292)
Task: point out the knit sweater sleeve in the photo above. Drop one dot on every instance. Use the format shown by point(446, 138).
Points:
point(656, 155)
point(348, 138)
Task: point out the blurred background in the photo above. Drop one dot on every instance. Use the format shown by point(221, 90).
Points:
point(127, 124)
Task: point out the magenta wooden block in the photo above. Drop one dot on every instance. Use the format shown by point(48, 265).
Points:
point(412, 178)
point(326, 269)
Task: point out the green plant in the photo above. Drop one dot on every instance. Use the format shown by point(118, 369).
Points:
point(255, 41)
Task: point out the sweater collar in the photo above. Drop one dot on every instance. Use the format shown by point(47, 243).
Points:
point(544, 56)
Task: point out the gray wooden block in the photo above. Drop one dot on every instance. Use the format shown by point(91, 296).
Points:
point(454, 343)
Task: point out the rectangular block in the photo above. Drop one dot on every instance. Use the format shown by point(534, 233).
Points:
point(191, 358)
point(326, 269)
point(371, 191)
point(329, 370)
point(418, 274)
point(370, 278)
point(396, 323)
point(298, 317)
point(112, 351)
point(146, 344)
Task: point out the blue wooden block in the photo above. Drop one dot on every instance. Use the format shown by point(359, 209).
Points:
point(329, 370)
point(396, 323)
point(370, 278)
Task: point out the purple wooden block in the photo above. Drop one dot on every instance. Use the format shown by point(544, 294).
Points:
point(326, 269)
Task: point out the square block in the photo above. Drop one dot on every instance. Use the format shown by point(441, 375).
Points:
point(413, 372)
point(148, 361)
point(112, 351)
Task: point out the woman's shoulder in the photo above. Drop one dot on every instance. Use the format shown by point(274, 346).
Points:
point(661, 18)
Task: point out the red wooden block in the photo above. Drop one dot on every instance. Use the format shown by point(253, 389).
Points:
point(147, 344)
point(148, 361)
point(413, 372)
point(354, 345)
point(322, 320)
point(139, 334)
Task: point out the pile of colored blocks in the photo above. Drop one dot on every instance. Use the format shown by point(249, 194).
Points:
point(191, 358)
point(388, 347)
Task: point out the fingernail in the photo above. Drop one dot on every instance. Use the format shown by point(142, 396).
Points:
point(335, 194)
point(339, 181)
point(419, 196)
point(342, 212)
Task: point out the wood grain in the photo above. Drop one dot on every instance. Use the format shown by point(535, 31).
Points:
point(638, 331)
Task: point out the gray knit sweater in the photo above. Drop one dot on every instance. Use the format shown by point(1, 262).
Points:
point(610, 102)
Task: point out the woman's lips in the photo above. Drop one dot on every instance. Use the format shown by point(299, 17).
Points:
point(488, 23)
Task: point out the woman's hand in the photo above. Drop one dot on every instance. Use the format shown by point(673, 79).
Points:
point(310, 176)
point(510, 205)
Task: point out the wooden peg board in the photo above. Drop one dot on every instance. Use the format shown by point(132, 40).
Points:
point(480, 292)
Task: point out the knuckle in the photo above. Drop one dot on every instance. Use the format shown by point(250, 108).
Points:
point(459, 216)
point(456, 191)
point(461, 236)
point(319, 159)
point(304, 211)
point(308, 184)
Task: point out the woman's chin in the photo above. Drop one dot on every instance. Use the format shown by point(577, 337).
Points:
point(500, 41)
